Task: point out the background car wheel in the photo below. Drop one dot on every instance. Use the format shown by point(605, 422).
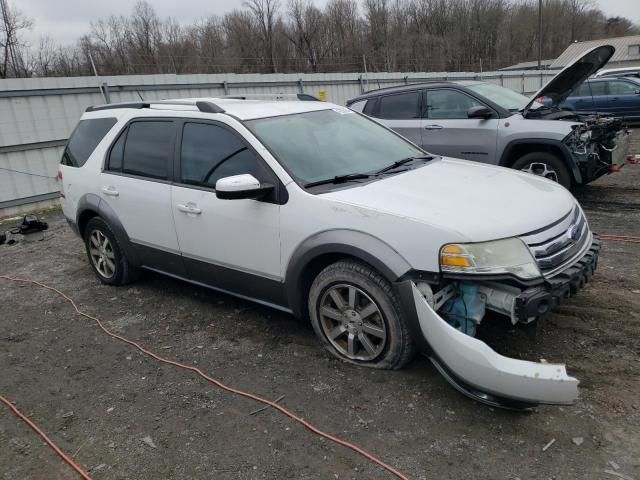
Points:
point(357, 317)
point(105, 255)
point(545, 165)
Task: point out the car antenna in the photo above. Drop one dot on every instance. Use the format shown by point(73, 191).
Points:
point(139, 94)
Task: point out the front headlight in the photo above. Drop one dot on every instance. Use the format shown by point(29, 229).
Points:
point(509, 256)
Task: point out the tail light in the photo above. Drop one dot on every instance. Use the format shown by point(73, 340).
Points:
point(59, 180)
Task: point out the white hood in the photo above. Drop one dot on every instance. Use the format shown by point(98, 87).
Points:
point(479, 202)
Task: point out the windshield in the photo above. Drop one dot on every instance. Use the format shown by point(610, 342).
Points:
point(321, 145)
point(505, 97)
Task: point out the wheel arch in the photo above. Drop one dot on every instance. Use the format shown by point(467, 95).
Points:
point(517, 148)
point(325, 248)
point(91, 206)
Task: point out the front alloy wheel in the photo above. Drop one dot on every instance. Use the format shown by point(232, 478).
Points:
point(357, 316)
point(352, 322)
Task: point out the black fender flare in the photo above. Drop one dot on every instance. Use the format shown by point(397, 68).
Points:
point(566, 156)
point(93, 203)
point(353, 243)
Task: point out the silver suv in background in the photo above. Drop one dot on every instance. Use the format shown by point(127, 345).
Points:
point(491, 124)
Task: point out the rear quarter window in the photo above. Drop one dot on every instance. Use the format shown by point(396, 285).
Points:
point(84, 140)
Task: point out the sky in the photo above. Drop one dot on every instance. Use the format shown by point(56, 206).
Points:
point(66, 20)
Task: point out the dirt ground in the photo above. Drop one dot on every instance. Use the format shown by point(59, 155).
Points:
point(98, 398)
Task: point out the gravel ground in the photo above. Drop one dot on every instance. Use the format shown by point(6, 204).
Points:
point(100, 399)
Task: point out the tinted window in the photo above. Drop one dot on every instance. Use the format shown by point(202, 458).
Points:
point(84, 140)
point(117, 152)
point(449, 104)
point(617, 87)
point(147, 149)
point(582, 91)
point(598, 88)
point(399, 106)
point(209, 153)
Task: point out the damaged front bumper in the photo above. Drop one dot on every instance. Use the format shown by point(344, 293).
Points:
point(476, 370)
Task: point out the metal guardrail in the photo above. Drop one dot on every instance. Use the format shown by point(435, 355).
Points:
point(39, 114)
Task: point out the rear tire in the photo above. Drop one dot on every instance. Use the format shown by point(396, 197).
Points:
point(545, 165)
point(108, 260)
point(357, 317)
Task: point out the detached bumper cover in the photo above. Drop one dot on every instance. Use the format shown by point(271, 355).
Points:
point(472, 367)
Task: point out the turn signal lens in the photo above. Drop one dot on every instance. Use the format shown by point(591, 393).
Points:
point(455, 261)
point(454, 256)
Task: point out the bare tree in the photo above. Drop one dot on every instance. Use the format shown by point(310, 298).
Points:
point(12, 47)
point(265, 13)
point(393, 35)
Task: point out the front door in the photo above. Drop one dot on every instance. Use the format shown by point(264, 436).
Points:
point(448, 131)
point(233, 245)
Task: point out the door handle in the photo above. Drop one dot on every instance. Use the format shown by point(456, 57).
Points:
point(190, 208)
point(111, 191)
point(433, 127)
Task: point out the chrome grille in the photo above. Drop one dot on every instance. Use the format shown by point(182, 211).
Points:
point(560, 244)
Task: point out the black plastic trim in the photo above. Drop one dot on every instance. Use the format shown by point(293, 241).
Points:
point(349, 243)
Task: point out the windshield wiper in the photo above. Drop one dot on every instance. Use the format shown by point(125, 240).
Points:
point(399, 163)
point(338, 179)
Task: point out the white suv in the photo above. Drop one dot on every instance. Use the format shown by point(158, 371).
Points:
point(317, 210)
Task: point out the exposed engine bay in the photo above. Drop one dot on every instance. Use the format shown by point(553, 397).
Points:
point(599, 143)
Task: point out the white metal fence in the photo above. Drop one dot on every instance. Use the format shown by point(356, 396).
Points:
point(37, 115)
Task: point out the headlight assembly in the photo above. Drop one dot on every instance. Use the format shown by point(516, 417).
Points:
point(509, 256)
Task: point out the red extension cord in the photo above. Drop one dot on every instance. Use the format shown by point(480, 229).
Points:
point(197, 371)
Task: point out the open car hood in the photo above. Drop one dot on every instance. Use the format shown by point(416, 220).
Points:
point(571, 76)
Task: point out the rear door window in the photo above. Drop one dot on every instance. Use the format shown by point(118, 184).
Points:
point(144, 149)
point(84, 140)
point(598, 88)
point(400, 106)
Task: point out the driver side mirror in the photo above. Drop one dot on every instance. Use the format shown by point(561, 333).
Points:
point(243, 186)
point(480, 112)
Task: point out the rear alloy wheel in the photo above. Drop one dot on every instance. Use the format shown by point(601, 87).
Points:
point(356, 315)
point(544, 165)
point(107, 258)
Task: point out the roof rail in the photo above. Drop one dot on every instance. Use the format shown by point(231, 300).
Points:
point(206, 107)
point(112, 106)
point(303, 97)
point(209, 107)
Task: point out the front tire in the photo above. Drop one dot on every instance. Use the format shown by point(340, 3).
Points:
point(105, 254)
point(545, 165)
point(357, 316)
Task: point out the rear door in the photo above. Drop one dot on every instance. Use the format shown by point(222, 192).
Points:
point(623, 98)
point(136, 184)
point(448, 131)
point(401, 112)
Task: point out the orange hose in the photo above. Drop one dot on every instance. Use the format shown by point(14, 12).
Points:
point(55, 448)
point(219, 384)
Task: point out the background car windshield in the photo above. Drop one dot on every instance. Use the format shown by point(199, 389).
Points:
point(505, 97)
point(320, 145)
